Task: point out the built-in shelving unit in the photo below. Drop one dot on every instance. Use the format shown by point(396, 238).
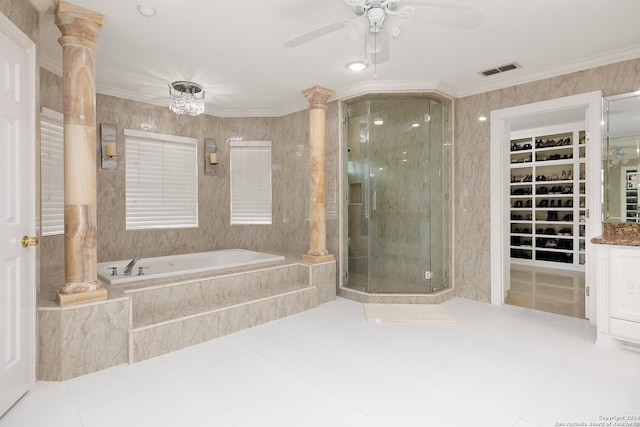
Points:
point(630, 196)
point(547, 198)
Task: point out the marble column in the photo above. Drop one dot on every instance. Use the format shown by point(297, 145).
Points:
point(79, 28)
point(317, 97)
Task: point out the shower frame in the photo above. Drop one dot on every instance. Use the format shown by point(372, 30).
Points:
point(365, 295)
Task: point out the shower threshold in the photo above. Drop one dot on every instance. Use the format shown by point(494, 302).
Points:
point(386, 291)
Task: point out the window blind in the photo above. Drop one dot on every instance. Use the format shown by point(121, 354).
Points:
point(52, 171)
point(161, 181)
point(250, 166)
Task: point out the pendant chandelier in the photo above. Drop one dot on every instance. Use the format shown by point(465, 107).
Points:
point(186, 98)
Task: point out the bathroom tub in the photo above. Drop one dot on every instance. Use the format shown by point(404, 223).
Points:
point(178, 265)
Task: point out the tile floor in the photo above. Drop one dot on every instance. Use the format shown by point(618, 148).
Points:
point(328, 367)
point(547, 289)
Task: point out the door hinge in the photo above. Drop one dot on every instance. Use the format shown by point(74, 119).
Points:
point(427, 275)
point(427, 118)
point(586, 291)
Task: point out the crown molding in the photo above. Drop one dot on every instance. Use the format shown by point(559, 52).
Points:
point(621, 55)
point(378, 86)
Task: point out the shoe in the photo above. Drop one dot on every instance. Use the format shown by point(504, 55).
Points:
point(568, 217)
point(568, 203)
point(552, 216)
point(543, 190)
point(517, 204)
point(563, 175)
point(528, 205)
point(543, 203)
point(552, 204)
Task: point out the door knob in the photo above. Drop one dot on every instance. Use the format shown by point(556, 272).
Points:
point(29, 241)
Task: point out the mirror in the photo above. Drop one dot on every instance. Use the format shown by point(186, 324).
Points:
point(621, 157)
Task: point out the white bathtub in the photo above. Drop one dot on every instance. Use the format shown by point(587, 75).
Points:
point(176, 265)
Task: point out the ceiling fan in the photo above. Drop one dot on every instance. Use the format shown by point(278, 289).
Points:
point(371, 15)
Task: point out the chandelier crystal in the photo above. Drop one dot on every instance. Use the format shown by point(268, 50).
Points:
point(186, 98)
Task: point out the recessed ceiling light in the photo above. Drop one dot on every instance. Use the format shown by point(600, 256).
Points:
point(415, 125)
point(356, 66)
point(378, 122)
point(146, 10)
point(482, 118)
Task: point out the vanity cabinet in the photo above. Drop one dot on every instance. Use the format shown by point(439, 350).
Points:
point(548, 197)
point(618, 294)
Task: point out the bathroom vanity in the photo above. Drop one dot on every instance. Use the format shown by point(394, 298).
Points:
point(618, 249)
point(618, 294)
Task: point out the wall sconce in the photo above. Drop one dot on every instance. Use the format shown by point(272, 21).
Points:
point(210, 156)
point(108, 145)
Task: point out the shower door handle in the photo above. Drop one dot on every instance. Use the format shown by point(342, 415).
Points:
point(374, 201)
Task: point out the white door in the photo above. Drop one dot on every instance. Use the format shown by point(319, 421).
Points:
point(17, 201)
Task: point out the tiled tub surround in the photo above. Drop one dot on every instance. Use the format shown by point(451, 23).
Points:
point(113, 272)
point(289, 232)
point(148, 318)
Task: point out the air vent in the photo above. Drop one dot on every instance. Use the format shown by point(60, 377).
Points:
point(500, 69)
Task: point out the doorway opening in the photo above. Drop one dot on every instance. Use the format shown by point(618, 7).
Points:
point(545, 203)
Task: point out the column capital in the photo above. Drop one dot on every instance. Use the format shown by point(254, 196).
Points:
point(78, 26)
point(317, 97)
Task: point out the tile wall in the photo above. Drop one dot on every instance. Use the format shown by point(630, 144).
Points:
point(471, 153)
point(289, 232)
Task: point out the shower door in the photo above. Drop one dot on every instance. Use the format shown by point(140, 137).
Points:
point(398, 180)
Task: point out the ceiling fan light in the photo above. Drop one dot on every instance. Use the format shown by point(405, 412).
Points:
point(357, 66)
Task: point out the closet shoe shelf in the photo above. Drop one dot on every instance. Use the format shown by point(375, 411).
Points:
point(547, 198)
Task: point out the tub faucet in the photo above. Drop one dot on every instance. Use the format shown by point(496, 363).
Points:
point(129, 267)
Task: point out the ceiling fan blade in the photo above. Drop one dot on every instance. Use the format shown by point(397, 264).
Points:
point(317, 33)
point(447, 15)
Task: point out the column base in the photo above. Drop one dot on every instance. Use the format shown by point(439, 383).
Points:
point(81, 297)
point(318, 258)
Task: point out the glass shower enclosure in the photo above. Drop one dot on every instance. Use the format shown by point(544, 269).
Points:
point(397, 185)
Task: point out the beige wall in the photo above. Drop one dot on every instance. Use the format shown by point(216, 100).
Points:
point(23, 14)
point(472, 140)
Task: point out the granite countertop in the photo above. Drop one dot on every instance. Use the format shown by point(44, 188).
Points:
point(624, 234)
